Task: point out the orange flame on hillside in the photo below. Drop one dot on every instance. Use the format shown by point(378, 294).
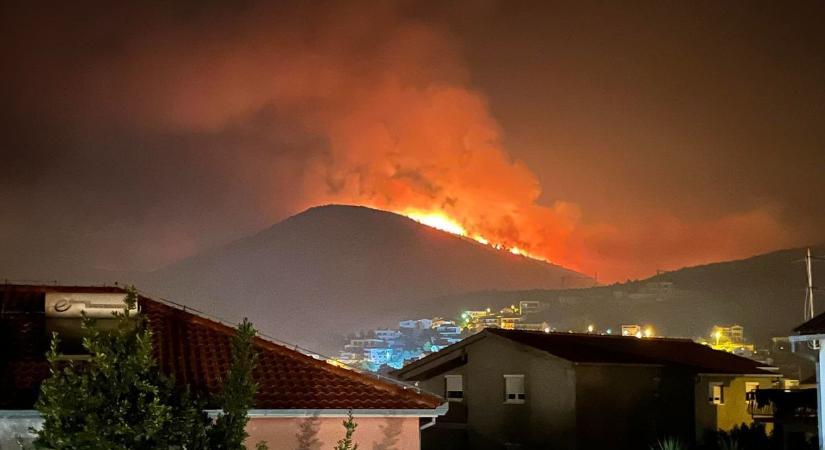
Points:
point(443, 222)
point(437, 220)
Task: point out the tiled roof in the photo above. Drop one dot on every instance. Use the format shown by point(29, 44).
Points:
point(197, 352)
point(593, 348)
point(815, 325)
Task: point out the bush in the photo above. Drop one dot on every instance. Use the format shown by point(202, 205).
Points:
point(670, 443)
point(741, 437)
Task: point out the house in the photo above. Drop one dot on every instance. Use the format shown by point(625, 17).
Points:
point(297, 393)
point(509, 322)
point(530, 390)
point(529, 306)
point(532, 326)
point(733, 333)
point(422, 324)
point(791, 411)
point(387, 335)
point(812, 334)
point(632, 330)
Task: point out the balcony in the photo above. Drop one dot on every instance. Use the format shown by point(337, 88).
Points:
point(761, 413)
point(772, 405)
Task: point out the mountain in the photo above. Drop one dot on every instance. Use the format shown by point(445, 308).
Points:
point(336, 269)
point(763, 293)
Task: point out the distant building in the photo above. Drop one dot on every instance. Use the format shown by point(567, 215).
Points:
point(475, 314)
point(509, 322)
point(387, 334)
point(377, 356)
point(439, 322)
point(732, 333)
point(350, 358)
point(529, 306)
point(631, 330)
point(488, 322)
point(532, 326)
point(531, 390)
point(451, 330)
point(416, 324)
point(365, 343)
point(730, 339)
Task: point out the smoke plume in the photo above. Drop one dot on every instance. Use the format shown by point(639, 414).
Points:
point(175, 126)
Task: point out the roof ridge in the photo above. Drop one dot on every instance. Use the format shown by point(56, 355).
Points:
point(592, 335)
point(591, 341)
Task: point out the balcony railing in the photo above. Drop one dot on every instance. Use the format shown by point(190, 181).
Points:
point(760, 412)
point(781, 404)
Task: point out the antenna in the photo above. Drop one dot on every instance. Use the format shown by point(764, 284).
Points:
point(808, 312)
point(809, 290)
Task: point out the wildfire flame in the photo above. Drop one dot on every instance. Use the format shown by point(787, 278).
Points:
point(436, 220)
point(441, 221)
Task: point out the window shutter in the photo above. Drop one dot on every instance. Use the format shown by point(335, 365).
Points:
point(454, 387)
point(514, 389)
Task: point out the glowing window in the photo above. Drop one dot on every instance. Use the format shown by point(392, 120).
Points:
point(716, 393)
point(750, 389)
point(514, 389)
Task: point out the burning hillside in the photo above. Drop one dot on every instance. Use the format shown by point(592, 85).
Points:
point(441, 221)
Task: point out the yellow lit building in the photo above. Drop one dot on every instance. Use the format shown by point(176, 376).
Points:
point(729, 339)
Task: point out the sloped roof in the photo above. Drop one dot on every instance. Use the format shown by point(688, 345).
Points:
point(815, 325)
point(601, 349)
point(594, 348)
point(197, 352)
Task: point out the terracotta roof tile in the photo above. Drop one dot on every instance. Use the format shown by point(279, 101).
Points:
point(197, 352)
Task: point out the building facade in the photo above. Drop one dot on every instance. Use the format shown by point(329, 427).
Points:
point(532, 390)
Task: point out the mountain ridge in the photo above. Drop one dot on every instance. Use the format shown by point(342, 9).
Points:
point(358, 266)
point(763, 292)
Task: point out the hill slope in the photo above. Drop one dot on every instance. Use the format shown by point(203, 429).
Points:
point(335, 269)
point(764, 293)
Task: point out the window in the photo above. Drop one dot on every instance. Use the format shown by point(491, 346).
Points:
point(514, 389)
point(454, 388)
point(750, 388)
point(716, 393)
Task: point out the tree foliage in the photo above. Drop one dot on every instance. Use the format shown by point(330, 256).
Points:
point(229, 430)
point(347, 443)
point(118, 399)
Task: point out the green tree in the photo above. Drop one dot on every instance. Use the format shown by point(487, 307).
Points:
point(118, 399)
point(346, 443)
point(229, 429)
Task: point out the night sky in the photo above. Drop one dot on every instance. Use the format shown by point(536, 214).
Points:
point(610, 137)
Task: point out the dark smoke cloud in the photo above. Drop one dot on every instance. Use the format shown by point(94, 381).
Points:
point(137, 135)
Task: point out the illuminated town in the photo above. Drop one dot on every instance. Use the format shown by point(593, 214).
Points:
point(385, 349)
